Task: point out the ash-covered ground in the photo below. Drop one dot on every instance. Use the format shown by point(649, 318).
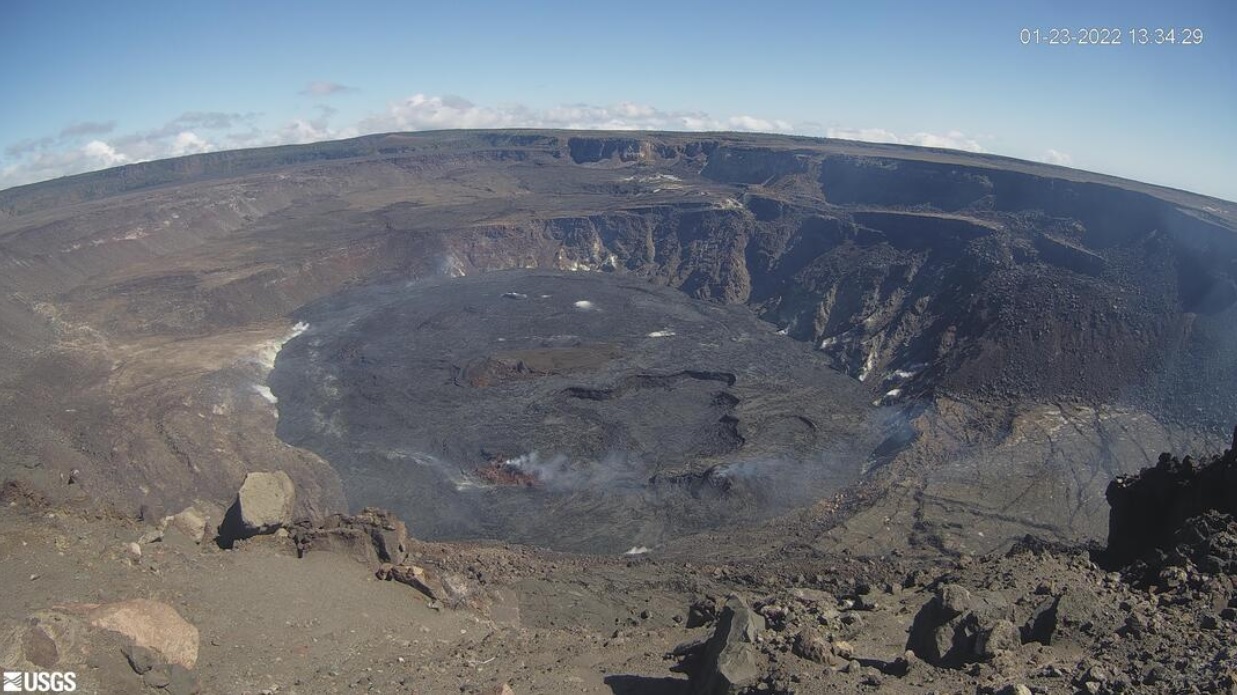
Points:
point(580, 411)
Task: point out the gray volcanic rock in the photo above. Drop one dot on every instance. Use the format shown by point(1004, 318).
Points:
point(373, 537)
point(729, 660)
point(1149, 509)
point(957, 627)
point(264, 504)
point(265, 501)
point(191, 522)
point(142, 659)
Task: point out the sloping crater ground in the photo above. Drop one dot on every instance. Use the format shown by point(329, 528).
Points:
point(1039, 329)
point(615, 408)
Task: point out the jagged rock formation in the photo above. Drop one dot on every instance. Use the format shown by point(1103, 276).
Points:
point(373, 537)
point(956, 627)
point(726, 663)
point(1041, 617)
point(1149, 510)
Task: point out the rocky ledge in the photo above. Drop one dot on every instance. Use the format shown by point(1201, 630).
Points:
point(1153, 511)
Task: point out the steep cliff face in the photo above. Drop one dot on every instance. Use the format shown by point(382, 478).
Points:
point(624, 150)
point(1002, 285)
point(1150, 509)
point(1023, 304)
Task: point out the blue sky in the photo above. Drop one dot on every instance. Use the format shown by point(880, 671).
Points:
point(94, 84)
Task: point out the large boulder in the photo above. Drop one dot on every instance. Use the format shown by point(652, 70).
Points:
point(190, 522)
point(150, 624)
point(956, 627)
point(1000, 636)
point(373, 537)
point(418, 578)
point(112, 647)
point(263, 505)
point(728, 662)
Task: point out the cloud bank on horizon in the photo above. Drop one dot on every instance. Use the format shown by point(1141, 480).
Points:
point(90, 146)
point(94, 85)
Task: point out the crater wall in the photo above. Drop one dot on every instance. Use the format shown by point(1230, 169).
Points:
point(139, 304)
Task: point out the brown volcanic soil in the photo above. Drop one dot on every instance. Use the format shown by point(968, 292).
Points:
point(556, 624)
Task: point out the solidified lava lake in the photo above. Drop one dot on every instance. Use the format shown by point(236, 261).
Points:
point(579, 411)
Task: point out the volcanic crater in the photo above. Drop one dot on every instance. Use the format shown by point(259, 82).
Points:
point(579, 411)
point(973, 346)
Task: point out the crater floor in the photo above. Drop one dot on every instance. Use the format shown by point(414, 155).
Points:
point(578, 411)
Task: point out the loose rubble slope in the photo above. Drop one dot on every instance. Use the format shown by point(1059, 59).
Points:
point(304, 608)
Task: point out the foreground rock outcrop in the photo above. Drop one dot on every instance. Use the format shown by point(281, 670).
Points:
point(1148, 510)
point(1041, 617)
point(372, 537)
point(150, 624)
point(728, 662)
point(157, 643)
point(957, 627)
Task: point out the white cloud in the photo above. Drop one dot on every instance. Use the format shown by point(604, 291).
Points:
point(68, 137)
point(324, 88)
point(953, 140)
point(204, 131)
point(752, 123)
point(299, 131)
point(22, 148)
point(104, 154)
point(44, 164)
point(88, 128)
point(863, 134)
point(1058, 157)
point(424, 112)
point(629, 110)
point(189, 143)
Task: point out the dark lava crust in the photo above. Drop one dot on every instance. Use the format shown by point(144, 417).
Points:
point(618, 413)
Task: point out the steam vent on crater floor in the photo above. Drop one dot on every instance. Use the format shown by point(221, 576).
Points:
point(691, 346)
